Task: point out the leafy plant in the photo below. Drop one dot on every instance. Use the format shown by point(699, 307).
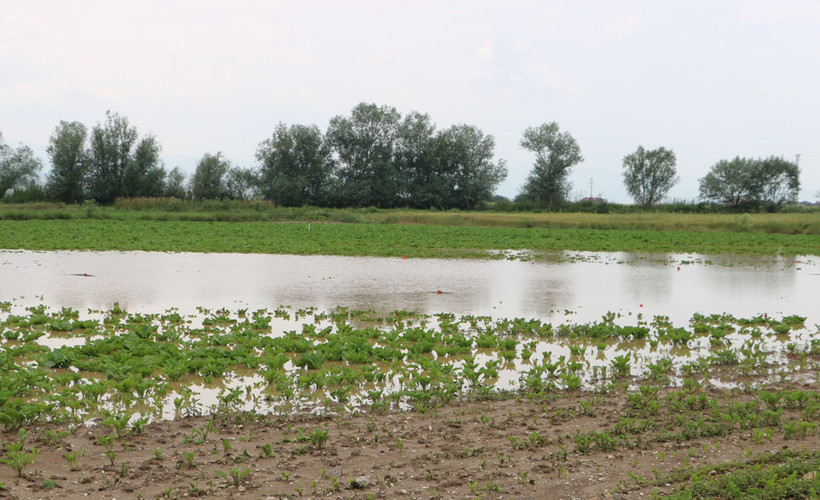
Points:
point(235, 475)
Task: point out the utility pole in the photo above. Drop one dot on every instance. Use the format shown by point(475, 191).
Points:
point(797, 159)
point(590, 187)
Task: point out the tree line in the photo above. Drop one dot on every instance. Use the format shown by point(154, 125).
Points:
point(372, 157)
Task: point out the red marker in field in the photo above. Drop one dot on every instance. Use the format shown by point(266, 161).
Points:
point(439, 292)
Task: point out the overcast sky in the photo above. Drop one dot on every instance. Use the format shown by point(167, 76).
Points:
point(709, 79)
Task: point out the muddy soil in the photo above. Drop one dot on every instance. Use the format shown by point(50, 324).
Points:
point(510, 447)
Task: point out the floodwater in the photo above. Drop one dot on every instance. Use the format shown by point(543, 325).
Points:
point(581, 287)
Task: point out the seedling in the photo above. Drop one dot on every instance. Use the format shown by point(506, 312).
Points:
point(235, 476)
point(72, 458)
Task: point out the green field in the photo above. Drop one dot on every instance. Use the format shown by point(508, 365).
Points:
point(411, 240)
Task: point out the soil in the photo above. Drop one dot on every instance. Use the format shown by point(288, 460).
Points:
point(513, 447)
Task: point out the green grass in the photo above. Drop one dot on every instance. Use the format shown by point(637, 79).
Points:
point(411, 240)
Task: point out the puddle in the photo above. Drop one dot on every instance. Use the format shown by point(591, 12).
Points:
point(586, 288)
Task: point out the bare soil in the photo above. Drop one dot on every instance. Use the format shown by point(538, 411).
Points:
point(513, 447)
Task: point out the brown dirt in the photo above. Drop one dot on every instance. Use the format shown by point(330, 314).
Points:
point(461, 450)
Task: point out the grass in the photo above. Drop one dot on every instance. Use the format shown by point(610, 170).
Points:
point(161, 209)
point(396, 240)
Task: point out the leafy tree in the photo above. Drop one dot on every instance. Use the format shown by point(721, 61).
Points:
point(363, 144)
point(109, 155)
point(69, 162)
point(729, 181)
point(779, 181)
point(144, 174)
point(771, 181)
point(296, 166)
point(464, 168)
point(649, 175)
point(240, 183)
point(18, 167)
point(175, 184)
point(420, 186)
point(122, 165)
point(208, 181)
point(555, 154)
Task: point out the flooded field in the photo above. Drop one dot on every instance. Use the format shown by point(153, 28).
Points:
point(586, 285)
point(226, 375)
point(498, 324)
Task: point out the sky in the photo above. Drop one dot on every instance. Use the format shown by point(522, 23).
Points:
point(708, 79)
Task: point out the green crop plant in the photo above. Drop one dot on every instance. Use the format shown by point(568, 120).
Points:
point(266, 450)
point(118, 422)
point(17, 456)
point(771, 399)
point(620, 365)
point(188, 458)
point(226, 446)
point(107, 442)
point(583, 443)
point(235, 476)
point(318, 438)
point(73, 457)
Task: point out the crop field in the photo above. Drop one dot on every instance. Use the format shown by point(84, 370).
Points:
point(287, 403)
point(411, 240)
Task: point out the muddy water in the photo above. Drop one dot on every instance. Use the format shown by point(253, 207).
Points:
point(583, 290)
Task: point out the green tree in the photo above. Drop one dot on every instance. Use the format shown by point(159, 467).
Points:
point(69, 162)
point(18, 167)
point(109, 155)
point(463, 166)
point(555, 154)
point(364, 146)
point(730, 182)
point(208, 181)
point(779, 181)
point(649, 175)
point(296, 166)
point(144, 174)
point(771, 181)
point(240, 183)
point(175, 184)
point(420, 186)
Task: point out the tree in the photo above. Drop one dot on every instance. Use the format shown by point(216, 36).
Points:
point(144, 174)
point(649, 175)
point(69, 162)
point(419, 182)
point(175, 184)
point(363, 144)
point(208, 181)
point(464, 172)
point(109, 154)
point(779, 181)
point(240, 183)
point(122, 164)
point(18, 167)
point(771, 181)
point(296, 166)
point(555, 154)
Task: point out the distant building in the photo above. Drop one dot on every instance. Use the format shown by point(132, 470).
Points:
point(593, 199)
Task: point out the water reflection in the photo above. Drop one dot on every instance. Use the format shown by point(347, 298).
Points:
point(589, 287)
